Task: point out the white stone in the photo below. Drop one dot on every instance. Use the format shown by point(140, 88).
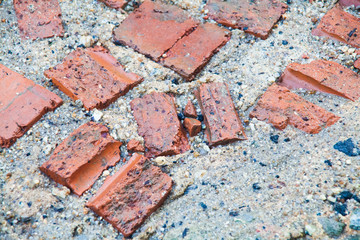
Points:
point(97, 115)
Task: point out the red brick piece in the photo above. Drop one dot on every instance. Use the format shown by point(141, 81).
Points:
point(256, 17)
point(135, 146)
point(22, 104)
point(324, 76)
point(153, 28)
point(193, 126)
point(222, 121)
point(191, 53)
point(346, 3)
point(38, 18)
point(357, 63)
point(341, 26)
point(117, 4)
point(190, 110)
point(281, 107)
point(158, 123)
point(93, 76)
point(131, 195)
point(80, 159)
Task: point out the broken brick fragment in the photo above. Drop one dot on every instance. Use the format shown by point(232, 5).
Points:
point(281, 107)
point(94, 76)
point(135, 146)
point(324, 76)
point(190, 110)
point(256, 17)
point(193, 126)
point(22, 104)
point(117, 4)
point(159, 125)
point(357, 63)
point(80, 159)
point(38, 18)
point(341, 26)
point(223, 124)
point(192, 52)
point(153, 28)
point(131, 195)
point(346, 3)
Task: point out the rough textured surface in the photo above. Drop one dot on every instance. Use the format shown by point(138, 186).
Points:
point(93, 76)
point(281, 107)
point(38, 18)
point(135, 146)
point(357, 64)
point(117, 4)
point(80, 159)
point(193, 126)
point(131, 195)
point(347, 3)
point(22, 104)
point(158, 123)
point(190, 110)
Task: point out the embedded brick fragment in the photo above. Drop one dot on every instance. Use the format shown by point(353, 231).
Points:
point(357, 64)
point(131, 195)
point(93, 76)
point(22, 104)
point(135, 146)
point(190, 110)
point(38, 18)
point(158, 123)
point(80, 159)
point(346, 3)
point(223, 124)
point(281, 107)
point(256, 17)
point(193, 126)
point(117, 4)
point(153, 28)
point(191, 53)
point(341, 26)
point(324, 76)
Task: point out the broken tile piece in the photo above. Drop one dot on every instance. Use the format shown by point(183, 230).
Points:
point(193, 126)
point(131, 195)
point(158, 123)
point(191, 53)
point(281, 107)
point(22, 104)
point(256, 17)
point(346, 3)
point(135, 146)
point(324, 76)
point(38, 18)
point(80, 159)
point(117, 4)
point(341, 26)
point(190, 110)
point(153, 28)
point(220, 116)
point(94, 76)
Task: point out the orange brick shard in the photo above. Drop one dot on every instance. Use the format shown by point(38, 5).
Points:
point(281, 107)
point(135, 146)
point(22, 104)
point(131, 195)
point(93, 76)
point(117, 4)
point(80, 159)
point(193, 126)
point(357, 64)
point(190, 110)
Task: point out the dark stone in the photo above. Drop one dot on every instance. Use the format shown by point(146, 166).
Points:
point(348, 147)
point(341, 208)
point(274, 138)
point(203, 205)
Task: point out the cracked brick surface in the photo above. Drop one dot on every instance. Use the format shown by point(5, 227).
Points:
point(117, 4)
point(347, 3)
point(135, 146)
point(22, 104)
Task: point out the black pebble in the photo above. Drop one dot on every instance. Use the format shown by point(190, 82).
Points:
point(287, 140)
point(203, 205)
point(181, 116)
point(185, 232)
point(274, 138)
point(175, 81)
point(345, 195)
point(341, 208)
point(256, 187)
point(284, 42)
point(200, 117)
point(347, 147)
point(234, 213)
point(328, 162)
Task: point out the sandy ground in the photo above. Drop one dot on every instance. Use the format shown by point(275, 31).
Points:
point(214, 195)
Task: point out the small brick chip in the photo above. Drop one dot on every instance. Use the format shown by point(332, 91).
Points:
point(93, 76)
point(190, 110)
point(131, 195)
point(193, 126)
point(281, 107)
point(38, 18)
point(324, 76)
point(135, 146)
point(117, 4)
point(22, 104)
point(223, 124)
point(80, 159)
point(357, 63)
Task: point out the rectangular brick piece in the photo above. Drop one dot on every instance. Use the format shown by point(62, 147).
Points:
point(281, 107)
point(94, 76)
point(191, 53)
point(341, 26)
point(153, 28)
point(324, 76)
point(158, 123)
point(80, 159)
point(38, 18)
point(117, 4)
point(131, 195)
point(256, 17)
point(223, 124)
point(22, 104)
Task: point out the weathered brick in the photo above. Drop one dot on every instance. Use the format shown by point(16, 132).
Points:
point(256, 17)
point(131, 195)
point(357, 63)
point(190, 110)
point(80, 159)
point(38, 18)
point(222, 121)
point(93, 76)
point(158, 123)
point(117, 4)
point(281, 107)
point(135, 146)
point(191, 53)
point(346, 3)
point(341, 26)
point(153, 28)
point(324, 76)
point(22, 104)
point(193, 126)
